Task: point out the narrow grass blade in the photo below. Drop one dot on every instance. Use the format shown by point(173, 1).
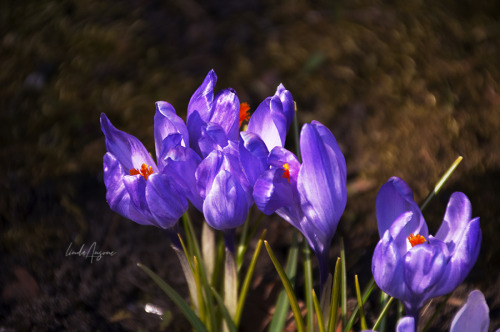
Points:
point(384, 298)
point(308, 285)
point(288, 288)
point(282, 304)
point(176, 298)
point(242, 245)
point(334, 305)
point(366, 293)
point(343, 284)
point(441, 182)
point(360, 304)
point(199, 293)
point(438, 310)
point(382, 315)
point(230, 326)
point(248, 278)
point(319, 314)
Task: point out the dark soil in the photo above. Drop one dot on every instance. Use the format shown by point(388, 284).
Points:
point(406, 87)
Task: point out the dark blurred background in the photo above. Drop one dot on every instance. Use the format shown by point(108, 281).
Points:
point(405, 86)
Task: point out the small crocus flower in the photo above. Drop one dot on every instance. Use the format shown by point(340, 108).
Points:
point(137, 188)
point(413, 266)
point(215, 118)
point(311, 196)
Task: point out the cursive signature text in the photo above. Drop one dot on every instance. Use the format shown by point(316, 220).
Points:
point(92, 253)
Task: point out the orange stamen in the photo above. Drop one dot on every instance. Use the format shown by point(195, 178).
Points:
point(416, 239)
point(145, 171)
point(244, 113)
point(286, 171)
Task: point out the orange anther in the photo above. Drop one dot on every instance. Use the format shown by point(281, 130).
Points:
point(145, 171)
point(286, 171)
point(244, 113)
point(416, 239)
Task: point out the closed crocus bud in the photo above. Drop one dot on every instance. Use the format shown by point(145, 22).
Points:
point(413, 266)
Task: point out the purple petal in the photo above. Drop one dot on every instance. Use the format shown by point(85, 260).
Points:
point(253, 156)
point(463, 258)
point(168, 122)
point(180, 165)
point(269, 122)
point(425, 265)
point(225, 206)
point(165, 202)
point(129, 151)
point(272, 192)
point(117, 195)
point(394, 198)
point(213, 136)
point(406, 324)
point(136, 187)
point(388, 267)
point(321, 184)
point(288, 104)
point(402, 228)
point(225, 112)
point(473, 316)
point(207, 171)
point(202, 99)
point(457, 216)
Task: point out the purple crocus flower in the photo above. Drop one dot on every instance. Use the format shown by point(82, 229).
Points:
point(212, 120)
point(225, 191)
point(413, 266)
point(137, 188)
point(311, 196)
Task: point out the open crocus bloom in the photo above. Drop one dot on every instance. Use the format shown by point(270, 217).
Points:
point(311, 196)
point(137, 188)
point(413, 266)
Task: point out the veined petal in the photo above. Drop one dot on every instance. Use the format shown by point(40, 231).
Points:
point(212, 137)
point(165, 202)
point(457, 216)
point(463, 258)
point(207, 171)
point(127, 149)
point(321, 186)
point(225, 206)
point(180, 165)
point(269, 122)
point(168, 122)
point(388, 267)
point(401, 229)
point(117, 195)
point(425, 265)
point(394, 198)
point(253, 155)
point(136, 187)
point(225, 112)
point(272, 192)
point(473, 316)
point(202, 99)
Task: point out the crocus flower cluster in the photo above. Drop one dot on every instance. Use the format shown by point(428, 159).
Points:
point(413, 266)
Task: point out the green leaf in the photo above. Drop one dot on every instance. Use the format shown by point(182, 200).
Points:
point(227, 316)
point(288, 288)
point(208, 246)
point(382, 315)
point(231, 283)
point(343, 284)
point(176, 298)
point(193, 286)
point(334, 305)
point(248, 278)
point(360, 304)
point(319, 314)
point(308, 285)
point(366, 293)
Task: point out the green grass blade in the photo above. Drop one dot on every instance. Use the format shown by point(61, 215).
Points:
point(366, 293)
point(288, 288)
point(282, 305)
point(438, 310)
point(319, 314)
point(334, 305)
point(360, 304)
point(176, 298)
point(208, 246)
point(382, 315)
point(308, 285)
point(193, 285)
point(230, 283)
point(441, 182)
point(384, 298)
point(248, 278)
point(227, 316)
